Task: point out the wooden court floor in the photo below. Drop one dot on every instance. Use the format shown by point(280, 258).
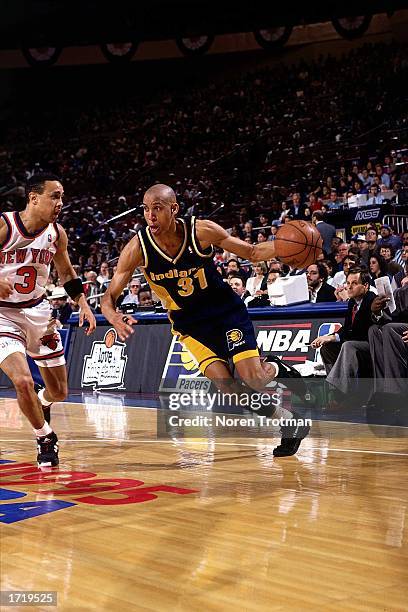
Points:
point(204, 524)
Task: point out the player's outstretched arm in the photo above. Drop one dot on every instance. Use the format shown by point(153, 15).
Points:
point(72, 284)
point(130, 258)
point(209, 232)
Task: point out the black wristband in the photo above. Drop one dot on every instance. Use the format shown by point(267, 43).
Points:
point(73, 288)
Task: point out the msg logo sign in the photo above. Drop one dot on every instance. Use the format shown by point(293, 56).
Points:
point(367, 215)
point(105, 367)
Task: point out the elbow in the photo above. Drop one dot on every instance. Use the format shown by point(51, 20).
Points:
point(254, 255)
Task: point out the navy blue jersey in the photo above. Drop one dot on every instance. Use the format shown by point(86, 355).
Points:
point(188, 284)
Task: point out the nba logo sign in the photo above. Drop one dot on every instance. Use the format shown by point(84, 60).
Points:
point(181, 371)
point(324, 329)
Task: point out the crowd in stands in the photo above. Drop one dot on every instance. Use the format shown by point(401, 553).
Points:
point(283, 143)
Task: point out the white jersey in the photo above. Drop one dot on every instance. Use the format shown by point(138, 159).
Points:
point(25, 260)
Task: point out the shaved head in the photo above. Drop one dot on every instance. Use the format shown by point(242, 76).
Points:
point(160, 193)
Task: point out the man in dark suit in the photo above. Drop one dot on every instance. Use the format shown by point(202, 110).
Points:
point(327, 231)
point(297, 210)
point(319, 289)
point(346, 355)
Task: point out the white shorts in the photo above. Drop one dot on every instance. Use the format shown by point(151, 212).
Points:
point(31, 331)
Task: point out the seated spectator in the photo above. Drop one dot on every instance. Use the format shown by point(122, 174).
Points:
point(314, 202)
point(61, 309)
point(329, 267)
point(401, 278)
point(284, 212)
point(91, 288)
point(319, 289)
point(365, 178)
point(257, 281)
point(398, 258)
point(237, 284)
point(297, 209)
point(104, 275)
point(388, 238)
point(374, 196)
point(382, 176)
point(145, 297)
point(335, 243)
point(378, 268)
point(264, 223)
point(133, 296)
point(346, 354)
point(388, 253)
point(339, 279)
point(401, 194)
point(334, 203)
point(359, 188)
point(339, 256)
point(262, 236)
point(371, 236)
point(362, 246)
point(274, 229)
point(233, 265)
point(247, 230)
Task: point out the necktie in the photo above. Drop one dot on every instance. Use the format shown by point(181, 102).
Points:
point(353, 313)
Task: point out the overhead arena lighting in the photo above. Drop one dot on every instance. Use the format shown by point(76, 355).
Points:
point(41, 56)
point(119, 52)
point(351, 27)
point(195, 45)
point(272, 38)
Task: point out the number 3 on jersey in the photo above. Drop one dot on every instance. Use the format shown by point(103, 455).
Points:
point(29, 274)
point(186, 285)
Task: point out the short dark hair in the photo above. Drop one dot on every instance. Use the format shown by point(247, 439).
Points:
point(145, 288)
point(364, 274)
point(36, 183)
point(236, 276)
point(323, 274)
point(233, 259)
point(317, 214)
point(388, 246)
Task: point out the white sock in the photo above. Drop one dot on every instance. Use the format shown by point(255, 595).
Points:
point(282, 413)
point(42, 399)
point(44, 431)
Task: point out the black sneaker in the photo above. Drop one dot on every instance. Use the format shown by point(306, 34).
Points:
point(47, 450)
point(292, 435)
point(290, 377)
point(46, 409)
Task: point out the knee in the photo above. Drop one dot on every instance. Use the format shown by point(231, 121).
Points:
point(24, 385)
point(324, 351)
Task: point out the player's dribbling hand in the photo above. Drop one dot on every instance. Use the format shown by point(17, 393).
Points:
point(123, 324)
point(86, 314)
point(6, 289)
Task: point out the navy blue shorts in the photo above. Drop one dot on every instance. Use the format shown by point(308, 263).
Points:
point(229, 336)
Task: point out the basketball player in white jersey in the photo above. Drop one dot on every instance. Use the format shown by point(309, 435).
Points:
point(29, 241)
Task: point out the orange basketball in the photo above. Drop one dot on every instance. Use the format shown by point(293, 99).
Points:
point(298, 244)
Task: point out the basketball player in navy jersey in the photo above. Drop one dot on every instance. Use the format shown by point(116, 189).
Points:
point(29, 241)
point(209, 318)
